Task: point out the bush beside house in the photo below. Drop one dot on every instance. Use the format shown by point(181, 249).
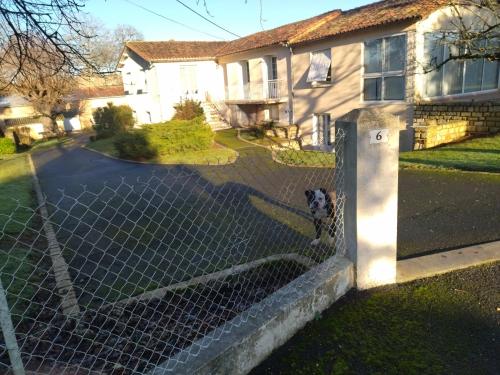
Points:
point(188, 110)
point(112, 120)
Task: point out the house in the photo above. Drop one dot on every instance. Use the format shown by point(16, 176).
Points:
point(17, 113)
point(85, 100)
point(19, 119)
point(304, 75)
point(158, 75)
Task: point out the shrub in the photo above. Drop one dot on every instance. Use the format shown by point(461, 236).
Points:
point(134, 145)
point(179, 136)
point(188, 110)
point(7, 146)
point(112, 120)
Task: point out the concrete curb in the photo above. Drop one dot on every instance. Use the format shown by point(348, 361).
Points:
point(160, 293)
point(435, 264)
point(242, 343)
point(69, 302)
point(156, 163)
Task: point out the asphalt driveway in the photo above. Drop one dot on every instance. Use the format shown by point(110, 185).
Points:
point(127, 227)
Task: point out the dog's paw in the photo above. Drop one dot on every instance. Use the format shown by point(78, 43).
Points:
point(315, 242)
point(331, 240)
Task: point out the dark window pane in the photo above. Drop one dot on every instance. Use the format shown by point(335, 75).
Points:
point(473, 75)
point(395, 53)
point(394, 88)
point(274, 67)
point(453, 77)
point(490, 75)
point(373, 56)
point(372, 89)
point(433, 50)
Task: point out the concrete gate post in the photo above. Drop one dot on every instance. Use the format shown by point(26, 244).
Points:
point(371, 151)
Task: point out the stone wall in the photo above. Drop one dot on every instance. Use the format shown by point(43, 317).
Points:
point(442, 123)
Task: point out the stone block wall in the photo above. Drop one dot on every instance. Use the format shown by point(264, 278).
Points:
point(440, 123)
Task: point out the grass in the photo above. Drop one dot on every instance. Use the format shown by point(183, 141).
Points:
point(306, 158)
point(214, 155)
point(443, 325)
point(229, 138)
point(261, 140)
point(19, 277)
point(15, 190)
point(479, 154)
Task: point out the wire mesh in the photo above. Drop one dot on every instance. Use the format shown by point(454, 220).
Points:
point(119, 277)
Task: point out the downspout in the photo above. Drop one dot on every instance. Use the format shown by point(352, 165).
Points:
point(290, 88)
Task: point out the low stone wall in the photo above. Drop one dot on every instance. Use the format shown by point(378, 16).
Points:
point(442, 123)
point(238, 346)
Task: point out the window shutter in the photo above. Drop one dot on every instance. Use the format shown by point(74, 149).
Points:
point(320, 64)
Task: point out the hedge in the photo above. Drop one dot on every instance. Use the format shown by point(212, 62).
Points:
point(134, 145)
point(177, 136)
point(7, 146)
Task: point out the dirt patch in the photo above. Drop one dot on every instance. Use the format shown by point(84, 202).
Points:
point(132, 338)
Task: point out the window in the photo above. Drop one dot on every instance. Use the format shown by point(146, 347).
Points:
point(456, 76)
point(247, 72)
point(274, 67)
point(320, 69)
point(384, 68)
point(321, 129)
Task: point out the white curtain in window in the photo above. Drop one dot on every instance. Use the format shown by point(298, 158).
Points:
point(320, 64)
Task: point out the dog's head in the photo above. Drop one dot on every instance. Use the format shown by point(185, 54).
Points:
point(318, 200)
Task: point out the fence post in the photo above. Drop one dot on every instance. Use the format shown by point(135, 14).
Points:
point(9, 334)
point(371, 152)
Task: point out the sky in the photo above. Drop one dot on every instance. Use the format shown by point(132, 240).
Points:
point(241, 17)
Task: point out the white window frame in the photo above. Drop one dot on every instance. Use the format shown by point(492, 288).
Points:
point(327, 82)
point(383, 75)
point(464, 71)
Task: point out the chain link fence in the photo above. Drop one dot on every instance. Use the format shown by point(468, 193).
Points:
point(121, 277)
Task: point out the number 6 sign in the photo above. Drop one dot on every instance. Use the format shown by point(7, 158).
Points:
point(379, 136)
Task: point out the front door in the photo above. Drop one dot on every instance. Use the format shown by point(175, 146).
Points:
point(189, 82)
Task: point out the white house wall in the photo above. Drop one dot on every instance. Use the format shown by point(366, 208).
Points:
point(161, 86)
point(210, 84)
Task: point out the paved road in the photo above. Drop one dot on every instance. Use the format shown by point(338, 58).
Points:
point(193, 219)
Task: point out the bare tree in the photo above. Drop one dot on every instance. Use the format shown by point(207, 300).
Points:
point(104, 46)
point(27, 27)
point(45, 82)
point(472, 32)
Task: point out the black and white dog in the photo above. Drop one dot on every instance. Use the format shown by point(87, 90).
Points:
point(322, 205)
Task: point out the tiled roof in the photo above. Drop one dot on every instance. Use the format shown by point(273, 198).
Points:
point(278, 35)
point(175, 50)
point(322, 26)
point(376, 14)
point(99, 91)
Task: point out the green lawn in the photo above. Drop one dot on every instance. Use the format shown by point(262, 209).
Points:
point(16, 270)
point(441, 325)
point(15, 189)
point(229, 138)
point(215, 155)
point(479, 154)
point(262, 141)
point(306, 158)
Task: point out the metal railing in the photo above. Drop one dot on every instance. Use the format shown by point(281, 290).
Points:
point(271, 89)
